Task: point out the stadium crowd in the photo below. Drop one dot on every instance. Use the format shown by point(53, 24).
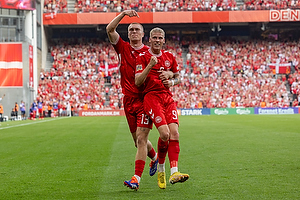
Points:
point(214, 75)
point(230, 74)
point(57, 6)
point(86, 6)
point(153, 5)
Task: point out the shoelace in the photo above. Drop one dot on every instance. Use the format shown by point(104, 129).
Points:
point(161, 178)
point(151, 163)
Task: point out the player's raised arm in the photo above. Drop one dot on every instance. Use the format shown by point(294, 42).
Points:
point(141, 77)
point(111, 27)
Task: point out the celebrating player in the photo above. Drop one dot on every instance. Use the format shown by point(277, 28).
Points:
point(151, 67)
point(138, 121)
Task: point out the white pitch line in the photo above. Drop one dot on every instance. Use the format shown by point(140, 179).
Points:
point(1, 126)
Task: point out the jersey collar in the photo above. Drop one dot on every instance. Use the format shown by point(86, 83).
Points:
point(153, 54)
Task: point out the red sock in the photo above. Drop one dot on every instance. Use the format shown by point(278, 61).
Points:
point(162, 149)
point(151, 153)
point(139, 167)
point(173, 152)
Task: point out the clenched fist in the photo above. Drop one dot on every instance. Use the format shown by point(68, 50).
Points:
point(153, 61)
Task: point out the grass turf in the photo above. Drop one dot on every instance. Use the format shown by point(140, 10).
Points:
point(227, 157)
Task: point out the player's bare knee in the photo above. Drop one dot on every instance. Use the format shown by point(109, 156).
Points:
point(165, 136)
point(174, 135)
point(164, 132)
point(141, 140)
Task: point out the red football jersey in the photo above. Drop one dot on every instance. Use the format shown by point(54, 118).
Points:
point(165, 62)
point(127, 56)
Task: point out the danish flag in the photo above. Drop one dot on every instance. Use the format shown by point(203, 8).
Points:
point(11, 65)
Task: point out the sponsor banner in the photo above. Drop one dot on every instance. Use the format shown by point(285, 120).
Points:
point(204, 111)
point(232, 111)
point(31, 66)
point(284, 15)
point(176, 17)
point(11, 65)
point(276, 111)
point(160, 17)
point(299, 110)
point(221, 111)
point(86, 113)
point(51, 15)
point(244, 111)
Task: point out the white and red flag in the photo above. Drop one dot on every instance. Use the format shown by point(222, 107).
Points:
point(11, 65)
point(280, 68)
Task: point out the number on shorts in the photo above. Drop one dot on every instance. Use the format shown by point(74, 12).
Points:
point(174, 112)
point(145, 119)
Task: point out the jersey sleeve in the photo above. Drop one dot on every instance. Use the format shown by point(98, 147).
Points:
point(119, 45)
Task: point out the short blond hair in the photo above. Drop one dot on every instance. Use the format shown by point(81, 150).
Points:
point(157, 30)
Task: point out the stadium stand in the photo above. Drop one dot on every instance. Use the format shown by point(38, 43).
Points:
point(87, 6)
point(216, 72)
point(230, 73)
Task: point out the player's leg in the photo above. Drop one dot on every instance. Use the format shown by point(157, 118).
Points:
point(34, 115)
point(136, 117)
point(139, 125)
point(154, 158)
point(162, 149)
point(150, 150)
point(140, 158)
point(145, 122)
point(153, 108)
point(173, 154)
point(174, 149)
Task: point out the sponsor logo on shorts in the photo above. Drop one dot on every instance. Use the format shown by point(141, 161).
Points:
point(158, 119)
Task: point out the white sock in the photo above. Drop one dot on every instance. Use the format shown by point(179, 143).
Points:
point(173, 170)
point(154, 158)
point(138, 178)
point(161, 167)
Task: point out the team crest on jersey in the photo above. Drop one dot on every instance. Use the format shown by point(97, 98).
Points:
point(167, 63)
point(158, 119)
point(139, 67)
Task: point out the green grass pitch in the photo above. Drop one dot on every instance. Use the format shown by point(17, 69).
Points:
point(227, 157)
